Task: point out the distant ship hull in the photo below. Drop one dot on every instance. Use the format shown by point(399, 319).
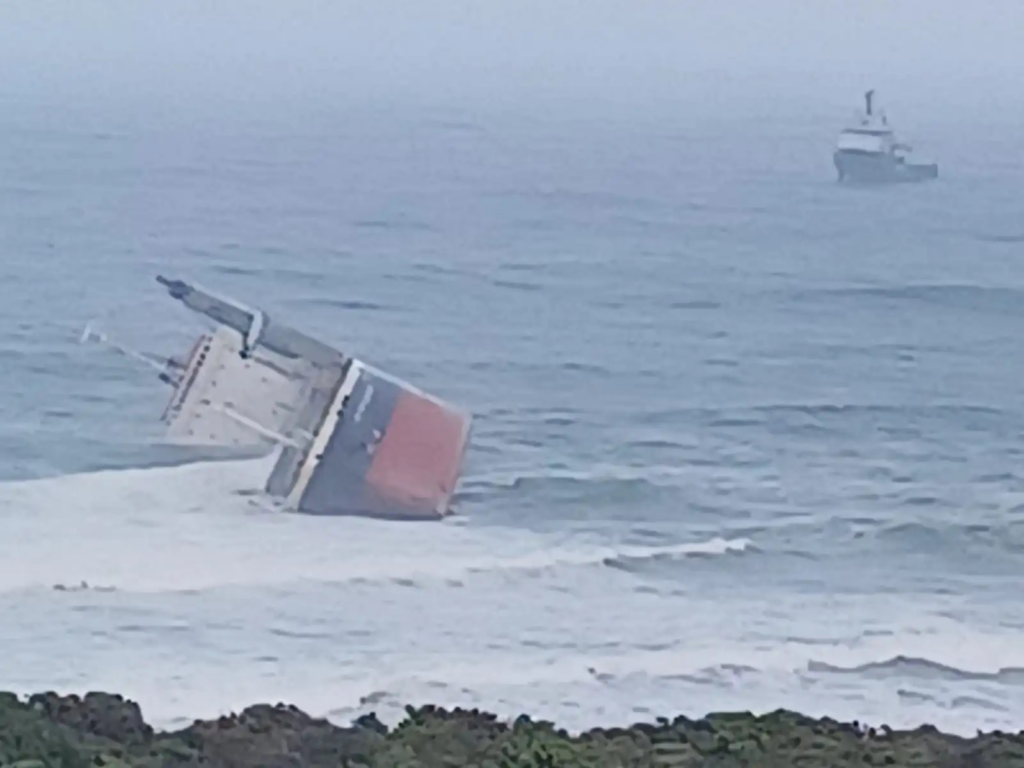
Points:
point(879, 168)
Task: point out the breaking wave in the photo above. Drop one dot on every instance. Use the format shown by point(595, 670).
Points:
point(595, 667)
point(200, 526)
point(716, 663)
point(716, 677)
point(922, 668)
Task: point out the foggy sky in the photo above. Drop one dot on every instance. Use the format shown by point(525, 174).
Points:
point(513, 48)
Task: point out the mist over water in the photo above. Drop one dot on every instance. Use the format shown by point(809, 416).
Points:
point(745, 438)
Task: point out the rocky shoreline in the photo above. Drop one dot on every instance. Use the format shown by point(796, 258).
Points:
point(99, 729)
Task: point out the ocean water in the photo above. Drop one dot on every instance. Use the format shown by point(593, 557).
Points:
point(745, 438)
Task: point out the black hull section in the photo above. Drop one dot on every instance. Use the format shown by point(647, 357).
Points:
point(867, 168)
point(389, 452)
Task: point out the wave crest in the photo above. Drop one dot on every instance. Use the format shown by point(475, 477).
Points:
point(920, 668)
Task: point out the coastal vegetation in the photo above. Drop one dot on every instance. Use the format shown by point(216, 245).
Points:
point(99, 729)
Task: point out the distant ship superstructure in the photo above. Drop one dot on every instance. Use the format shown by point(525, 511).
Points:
point(868, 151)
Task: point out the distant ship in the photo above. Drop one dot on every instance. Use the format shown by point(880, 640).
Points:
point(868, 152)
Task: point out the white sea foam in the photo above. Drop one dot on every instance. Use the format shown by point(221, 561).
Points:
point(188, 527)
point(320, 612)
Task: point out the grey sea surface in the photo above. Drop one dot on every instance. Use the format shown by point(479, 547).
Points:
point(745, 437)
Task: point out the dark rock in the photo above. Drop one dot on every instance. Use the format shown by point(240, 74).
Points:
point(277, 737)
point(371, 723)
point(99, 714)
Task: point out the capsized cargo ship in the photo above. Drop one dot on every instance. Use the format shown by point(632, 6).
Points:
point(350, 439)
point(868, 152)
